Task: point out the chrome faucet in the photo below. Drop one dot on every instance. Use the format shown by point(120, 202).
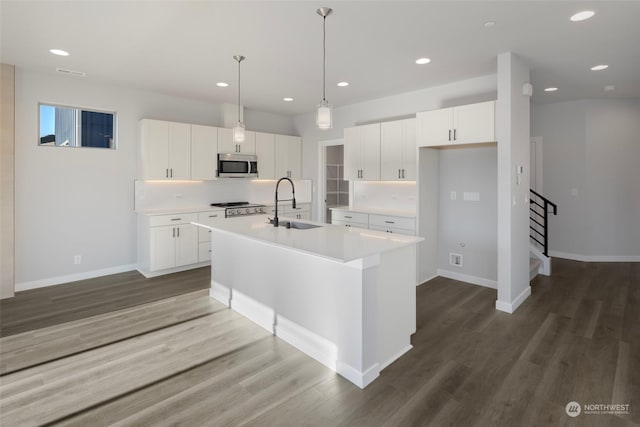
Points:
point(293, 199)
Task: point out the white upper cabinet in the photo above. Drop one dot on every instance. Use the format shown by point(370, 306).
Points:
point(288, 151)
point(204, 148)
point(398, 150)
point(226, 144)
point(266, 152)
point(165, 150)
point(466, 124)
point(362, 153)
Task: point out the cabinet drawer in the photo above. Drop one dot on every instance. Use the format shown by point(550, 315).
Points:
point(392, 230)
point(208, 216)
point(159, 220)
point(349, 224)
point(204, 252)
point(361, 218)
point(392, 222)
point(204, 235)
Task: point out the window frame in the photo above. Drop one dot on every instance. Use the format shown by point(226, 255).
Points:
point(79, 111)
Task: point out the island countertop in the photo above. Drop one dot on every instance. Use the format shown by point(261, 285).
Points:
point(338, 243)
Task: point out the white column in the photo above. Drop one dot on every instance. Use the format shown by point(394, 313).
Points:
point(513, 134)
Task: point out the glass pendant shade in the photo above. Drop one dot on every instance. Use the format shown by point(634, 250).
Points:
point(238, 132)
point(324, 115)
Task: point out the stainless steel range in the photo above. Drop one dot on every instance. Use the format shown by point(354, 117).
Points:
point(240, 208)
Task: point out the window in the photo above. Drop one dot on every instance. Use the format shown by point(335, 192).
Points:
point(75, 127)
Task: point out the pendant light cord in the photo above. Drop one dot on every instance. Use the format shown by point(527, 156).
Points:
point(324, 56)
point(239, 60)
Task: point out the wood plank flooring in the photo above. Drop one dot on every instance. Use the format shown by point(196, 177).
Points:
point(187, 360)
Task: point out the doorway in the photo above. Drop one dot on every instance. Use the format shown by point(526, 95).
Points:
point(333, 190)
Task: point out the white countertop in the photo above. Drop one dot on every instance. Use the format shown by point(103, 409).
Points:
point(335, 242)
point(390, 212)
point(173, 211)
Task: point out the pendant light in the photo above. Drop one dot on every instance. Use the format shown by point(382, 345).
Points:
point(323, 116)
point(238, 129)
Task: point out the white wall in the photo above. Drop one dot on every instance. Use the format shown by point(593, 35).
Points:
point(81, 201)
point(592, 147)
point(466, 227)
point(397, 106)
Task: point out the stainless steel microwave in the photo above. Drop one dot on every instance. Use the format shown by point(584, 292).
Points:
point(237, 166)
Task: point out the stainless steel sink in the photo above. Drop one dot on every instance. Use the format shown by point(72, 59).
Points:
point(303, 225)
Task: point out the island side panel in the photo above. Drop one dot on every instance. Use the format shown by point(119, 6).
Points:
point(396, 303)
point(326, 298)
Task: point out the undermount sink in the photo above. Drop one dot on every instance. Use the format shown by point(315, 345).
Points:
point(303, 225)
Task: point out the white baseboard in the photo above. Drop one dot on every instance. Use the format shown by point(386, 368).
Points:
point(395, 357)
point(513, 306)
point(481, 281)
point(323, 350)
point(149, 274)
point(220, 293)
point(594, 258)
point(361, 379)
point(422, 282)
point(51, 281)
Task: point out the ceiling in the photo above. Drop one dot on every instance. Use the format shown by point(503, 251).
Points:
point(184, 47)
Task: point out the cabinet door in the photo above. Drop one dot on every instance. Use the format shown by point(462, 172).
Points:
point(370, 152)
point(391, 150)
point(295, 157)
point(352, 154)
point(266, 152)
point(225, 141)
point(186, 244)
point(409, 149)
point(475, 123)
point(435, 127)
point(249, 144)
point(288, 149)
point(163, 252)
point(204, 147)
point(154, 149)
point(179, 150)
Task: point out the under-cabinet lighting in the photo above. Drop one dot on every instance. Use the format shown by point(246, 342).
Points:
point(422, 61)
point(551, 89)
point(173, 181)
point(222, 84)
point(599, 67)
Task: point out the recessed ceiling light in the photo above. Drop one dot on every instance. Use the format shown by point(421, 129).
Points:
point(343, 84)
point(287, 99)
point(489, 24)
point(59, 52)
point(422, 61)
point(599, 67)
point(581, 16)
point(551, 89)
point(222, 84)
point(609, 88)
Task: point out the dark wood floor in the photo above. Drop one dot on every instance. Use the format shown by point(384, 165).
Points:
point(53, 305)
point(186, 360)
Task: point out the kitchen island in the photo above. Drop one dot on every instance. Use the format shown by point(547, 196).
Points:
point(344, 296)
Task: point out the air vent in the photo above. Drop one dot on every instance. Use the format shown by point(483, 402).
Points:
point(455, 259)
point(71, 72)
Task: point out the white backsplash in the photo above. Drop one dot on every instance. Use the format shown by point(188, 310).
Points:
point(150, 195)
point(400, 196)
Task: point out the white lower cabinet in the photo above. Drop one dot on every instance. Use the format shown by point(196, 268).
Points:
point(388, 223)
point(302, 211)
point(168, 243)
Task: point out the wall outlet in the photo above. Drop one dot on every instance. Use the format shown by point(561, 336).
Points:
point(453, 195)
point(77, 259)
point(471, 196)
point(455, 259)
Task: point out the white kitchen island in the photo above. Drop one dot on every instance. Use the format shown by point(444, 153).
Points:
point(344, 296)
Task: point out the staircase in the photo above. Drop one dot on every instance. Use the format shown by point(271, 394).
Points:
point(540, 209)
